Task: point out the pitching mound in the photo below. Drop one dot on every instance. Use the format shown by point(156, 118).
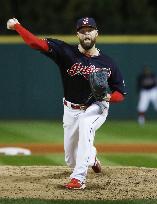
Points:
point(48, 183)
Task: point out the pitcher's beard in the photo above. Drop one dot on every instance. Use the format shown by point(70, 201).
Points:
point(87, 45)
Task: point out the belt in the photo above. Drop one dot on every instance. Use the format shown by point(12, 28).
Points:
point(75, 106)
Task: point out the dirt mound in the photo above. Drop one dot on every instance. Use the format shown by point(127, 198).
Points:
point(48, 183)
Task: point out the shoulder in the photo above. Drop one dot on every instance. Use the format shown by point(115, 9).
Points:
point(109, 61)
point(58, 42)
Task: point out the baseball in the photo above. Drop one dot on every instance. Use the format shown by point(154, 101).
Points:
point(11, 23)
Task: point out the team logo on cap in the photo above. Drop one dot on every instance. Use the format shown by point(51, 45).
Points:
point(85, 21)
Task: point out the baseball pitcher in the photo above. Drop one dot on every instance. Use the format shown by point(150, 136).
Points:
point(91, 82)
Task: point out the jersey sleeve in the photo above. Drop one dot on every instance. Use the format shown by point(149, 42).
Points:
point(56, 50)
point(116, 81)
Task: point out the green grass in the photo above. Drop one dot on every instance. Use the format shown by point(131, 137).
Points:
point(138, 160)
point(31, 131)
point(36, 201)
point(50, 159)
point(127, 132)
point(52, 132)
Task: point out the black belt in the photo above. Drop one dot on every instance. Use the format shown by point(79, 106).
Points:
point(76, 106)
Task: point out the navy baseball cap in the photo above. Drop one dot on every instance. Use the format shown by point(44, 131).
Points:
point(86, 21)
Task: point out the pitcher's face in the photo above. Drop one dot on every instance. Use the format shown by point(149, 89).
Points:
point(87, 37)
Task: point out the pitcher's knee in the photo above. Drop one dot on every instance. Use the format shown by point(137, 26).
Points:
point(83, 120)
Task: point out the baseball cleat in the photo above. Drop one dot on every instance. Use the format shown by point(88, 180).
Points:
point(75, 184)
point(97, 166)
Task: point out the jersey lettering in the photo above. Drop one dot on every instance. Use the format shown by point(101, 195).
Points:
point(80, 69)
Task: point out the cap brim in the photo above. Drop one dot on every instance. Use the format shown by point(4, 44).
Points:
point(87, 26)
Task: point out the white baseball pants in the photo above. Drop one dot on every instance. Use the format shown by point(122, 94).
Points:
point(79, 131)
point(146, 97)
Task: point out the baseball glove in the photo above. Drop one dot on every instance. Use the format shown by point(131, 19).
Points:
point(99, 84)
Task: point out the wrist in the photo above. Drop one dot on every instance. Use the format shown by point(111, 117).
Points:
point(16, 25)
point(107, 98)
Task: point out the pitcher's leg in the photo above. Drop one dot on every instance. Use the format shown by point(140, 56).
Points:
point(84, 151)
point(88, 123)
point(71, 134)
point(70, 145)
